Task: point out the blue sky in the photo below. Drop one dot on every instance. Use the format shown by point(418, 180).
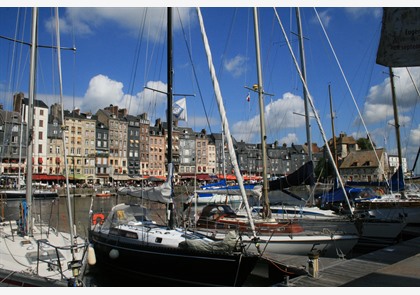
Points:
point(121, 50)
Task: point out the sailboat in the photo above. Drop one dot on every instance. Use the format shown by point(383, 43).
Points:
point(128, 242)
point(32, 252)
point(379, 231)
point(272, 235)
point(403, 203)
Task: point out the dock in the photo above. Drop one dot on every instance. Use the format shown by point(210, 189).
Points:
point(396, 265)
point(393, 266)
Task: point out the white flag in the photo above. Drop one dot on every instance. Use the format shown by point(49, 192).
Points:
point(179, 109)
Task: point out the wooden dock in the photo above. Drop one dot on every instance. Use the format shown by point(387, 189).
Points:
point(393, 266)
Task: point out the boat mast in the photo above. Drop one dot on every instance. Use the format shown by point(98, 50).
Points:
point(29, 134)
point(169, 114)
point(397, 124)
point(259, 88)
point(70, 215)
point(332, 127)
point(305, 96)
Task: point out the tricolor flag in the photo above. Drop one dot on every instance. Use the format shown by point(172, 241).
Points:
point(248, 98)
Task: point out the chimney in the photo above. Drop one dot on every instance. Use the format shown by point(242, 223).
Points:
point(18, 102)
point(122, 113)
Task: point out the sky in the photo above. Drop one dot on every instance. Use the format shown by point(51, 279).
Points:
point(121, 53)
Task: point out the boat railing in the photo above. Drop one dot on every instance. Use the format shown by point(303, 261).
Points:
point(54, 257)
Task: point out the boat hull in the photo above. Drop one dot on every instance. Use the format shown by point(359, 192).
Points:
point(335, 245)
point(175, 266)
point(21, 194)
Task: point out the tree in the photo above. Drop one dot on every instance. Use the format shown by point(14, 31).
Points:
point(324, 169)
point(364, 144)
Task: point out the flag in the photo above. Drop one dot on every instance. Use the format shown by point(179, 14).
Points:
point(399, 43)
point(248, 98)
point(179, 109)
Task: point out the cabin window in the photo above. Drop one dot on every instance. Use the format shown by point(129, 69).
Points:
point(158, 240)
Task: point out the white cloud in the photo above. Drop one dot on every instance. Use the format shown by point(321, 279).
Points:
point(358, 12)
point(378, 106)
point(325, 17)
point(289, 139)
point(103, 91)
point(85, 20)
point(236, 65)
point(281, 114)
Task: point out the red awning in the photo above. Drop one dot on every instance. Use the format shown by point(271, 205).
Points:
point(203, 177)
point(247, 177)
point(228, 177)
point(46, 177)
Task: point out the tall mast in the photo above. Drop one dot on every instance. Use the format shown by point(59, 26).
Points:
point(29, 148)
point(305, 94)
point(70, 215)
point(259, 88)
point(397, 124)
point(169, 115)
point(311, 199)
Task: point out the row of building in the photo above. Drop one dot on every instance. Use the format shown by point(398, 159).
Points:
point(112, 145)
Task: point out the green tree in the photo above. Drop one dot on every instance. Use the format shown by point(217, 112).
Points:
point(324, 169)
point(364, 144)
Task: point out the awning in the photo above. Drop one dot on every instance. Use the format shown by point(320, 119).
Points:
point(200, 176)
point(203, 177)
point(77, 176)
point(47, 177)
point(156, 178)
point(121, 177)
point(228, 177)
point(247, 177)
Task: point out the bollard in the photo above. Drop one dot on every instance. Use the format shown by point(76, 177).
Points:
point(313, 267)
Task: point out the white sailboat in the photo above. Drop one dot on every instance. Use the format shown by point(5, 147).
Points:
point(381, 230)
point(32, 252)
point(272, 236)
point(405, 203)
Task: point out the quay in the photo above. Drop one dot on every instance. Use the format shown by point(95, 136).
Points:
point(393, 266)
point(396, 265)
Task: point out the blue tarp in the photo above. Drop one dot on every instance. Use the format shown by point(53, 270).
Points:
point(337, 195)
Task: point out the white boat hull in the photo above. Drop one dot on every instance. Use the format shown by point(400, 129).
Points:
point(337, 245)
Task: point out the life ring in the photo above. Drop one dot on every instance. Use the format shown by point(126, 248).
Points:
point(98, 217)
